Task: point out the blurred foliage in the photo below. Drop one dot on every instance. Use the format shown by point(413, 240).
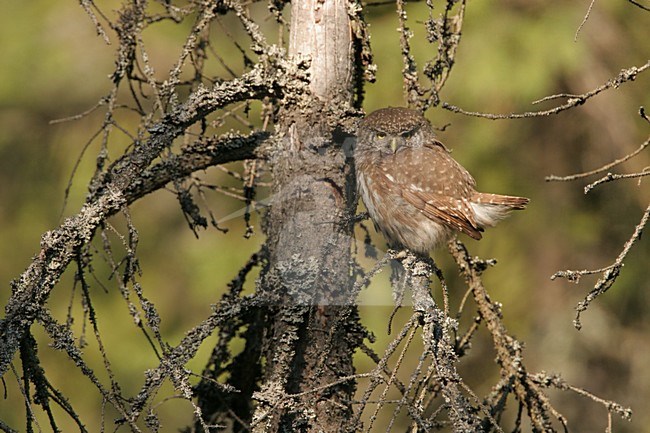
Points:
point(512, 53)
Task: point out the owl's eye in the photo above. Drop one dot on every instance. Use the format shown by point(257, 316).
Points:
point(381, 135)
point(407, 134)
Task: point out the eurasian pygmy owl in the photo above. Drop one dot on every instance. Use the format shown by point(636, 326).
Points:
point(415, 192)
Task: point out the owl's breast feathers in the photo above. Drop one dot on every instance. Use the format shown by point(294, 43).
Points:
point(399, 221)
point(429, 179)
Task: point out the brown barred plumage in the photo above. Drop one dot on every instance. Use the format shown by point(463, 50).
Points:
point(415, 192)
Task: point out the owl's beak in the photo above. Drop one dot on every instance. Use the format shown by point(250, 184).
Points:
point(393, 144)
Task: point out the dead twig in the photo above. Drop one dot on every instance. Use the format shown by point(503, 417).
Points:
point(554, 178)
point(624, 76)
point(609, 273)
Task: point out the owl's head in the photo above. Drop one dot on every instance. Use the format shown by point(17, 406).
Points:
point(390, 129)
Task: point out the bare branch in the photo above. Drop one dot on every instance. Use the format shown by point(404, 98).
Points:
point(639, 5)
point(446, 31)
point(204, 153)
point(600, 169)
point(611, 176)
point(87, 5)
point(108, 195)
point(624, 76)
point(584, 20)
point(509, 350)
point(609, 274)
point(559, 383)
point(58, 248)
point(412, 91)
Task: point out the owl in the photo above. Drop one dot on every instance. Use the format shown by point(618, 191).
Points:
point(417, 195)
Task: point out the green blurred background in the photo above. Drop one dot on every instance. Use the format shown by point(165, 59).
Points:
point(512, 53)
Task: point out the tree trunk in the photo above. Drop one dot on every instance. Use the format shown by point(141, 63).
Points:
point(313, 327)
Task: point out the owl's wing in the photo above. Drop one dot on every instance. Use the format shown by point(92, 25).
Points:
point(454, 213)
point(433, 182)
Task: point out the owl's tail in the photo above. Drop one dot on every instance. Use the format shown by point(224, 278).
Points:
point(501, 200)
point(490, 208)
